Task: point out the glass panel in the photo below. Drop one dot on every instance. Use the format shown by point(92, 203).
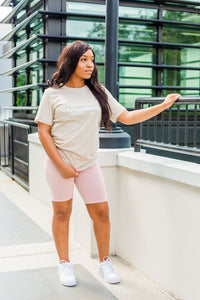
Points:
point(186, 4)
point(130, 31)
point(21, 59)
point(20, 14)
point(185, 78)
point(100, 9)
point(181, 34)
point(182, 57)
point(137, 12)
point(21, 99)
point(87, 8)
point(189, 93)
point(37, 26)
point(190, 78)
point(37, 51)
point(127, 96)
point(21, 79)
point(182, 16)
point(99, 50)
point(84, 27)
point(36, 75)
point(136, 76)
point(35, 97)
point(101, 74)
point(21, 36)
point(184, 93)
point(32, 3)
point(137, 54)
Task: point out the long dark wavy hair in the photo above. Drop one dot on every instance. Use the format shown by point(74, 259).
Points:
point(66, 65)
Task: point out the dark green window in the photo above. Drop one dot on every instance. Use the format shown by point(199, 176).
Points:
point(21, 99)
point(85, 27)
point(87, 8)
point(137, 54)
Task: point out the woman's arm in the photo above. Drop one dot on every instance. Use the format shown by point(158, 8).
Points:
point(44, 132)
point(140, 115)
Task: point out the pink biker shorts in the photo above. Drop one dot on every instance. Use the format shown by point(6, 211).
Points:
point(90, 184)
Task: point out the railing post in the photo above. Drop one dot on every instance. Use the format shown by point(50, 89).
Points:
point(136, 130)
point(29, 130)
point(12, 150)
point(4, 142)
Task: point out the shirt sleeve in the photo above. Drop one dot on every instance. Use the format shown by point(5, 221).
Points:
point(116, 107)
point(45, 110)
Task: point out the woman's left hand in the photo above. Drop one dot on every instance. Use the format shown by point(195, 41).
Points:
point(170, 99)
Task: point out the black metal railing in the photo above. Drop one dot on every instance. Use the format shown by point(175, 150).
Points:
point(14, 147)
point(177, 129)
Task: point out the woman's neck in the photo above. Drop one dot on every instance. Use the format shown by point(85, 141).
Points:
point(74, 83)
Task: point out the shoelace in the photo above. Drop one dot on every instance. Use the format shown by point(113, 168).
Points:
point(62, 261)
point(66, 267)
point(108, 264)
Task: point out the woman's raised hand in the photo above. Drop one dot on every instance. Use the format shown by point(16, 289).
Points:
point(170, 99)
point(68, 171)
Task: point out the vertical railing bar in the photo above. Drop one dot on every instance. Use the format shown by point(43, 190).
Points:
point(178, 124)
point(195, 127)
point(162, 127)
point(170, 125)
point(12, 151)
point(148, 126)
point(9, 143)
point(137, 129)
point(142, 127)
point(4, 137)
point(186, 124)
point(155, 128)
point(28, 131)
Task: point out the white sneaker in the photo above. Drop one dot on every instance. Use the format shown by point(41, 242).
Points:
point(107, 271)
point(66, 274)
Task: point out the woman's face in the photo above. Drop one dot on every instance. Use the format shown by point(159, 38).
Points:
point(85, 65)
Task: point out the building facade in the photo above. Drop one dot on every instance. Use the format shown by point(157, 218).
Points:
point(158, 42)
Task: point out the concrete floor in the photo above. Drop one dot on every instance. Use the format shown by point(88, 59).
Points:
point(28, 259)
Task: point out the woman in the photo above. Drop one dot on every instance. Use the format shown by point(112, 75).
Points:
point(69, 117)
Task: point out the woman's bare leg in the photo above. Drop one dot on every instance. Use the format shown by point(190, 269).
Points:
point(60, 227)
point(99, 213)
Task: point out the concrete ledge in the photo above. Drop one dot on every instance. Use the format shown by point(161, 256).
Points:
point(34, 138)
point(173, 169)
point(109, 157)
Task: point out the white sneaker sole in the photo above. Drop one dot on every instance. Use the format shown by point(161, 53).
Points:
point(68, 284)
point(109, 281)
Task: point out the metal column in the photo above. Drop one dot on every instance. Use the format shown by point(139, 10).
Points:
point(56, 27)
point(117, 138)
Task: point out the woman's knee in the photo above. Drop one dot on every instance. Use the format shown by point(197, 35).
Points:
point(62, 210)
point(103, 215)
point(100, 213)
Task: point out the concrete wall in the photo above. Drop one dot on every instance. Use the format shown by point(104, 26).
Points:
point(154, 210)
point(160, 198)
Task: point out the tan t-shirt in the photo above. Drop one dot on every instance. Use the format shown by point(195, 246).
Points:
point(75, 115)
